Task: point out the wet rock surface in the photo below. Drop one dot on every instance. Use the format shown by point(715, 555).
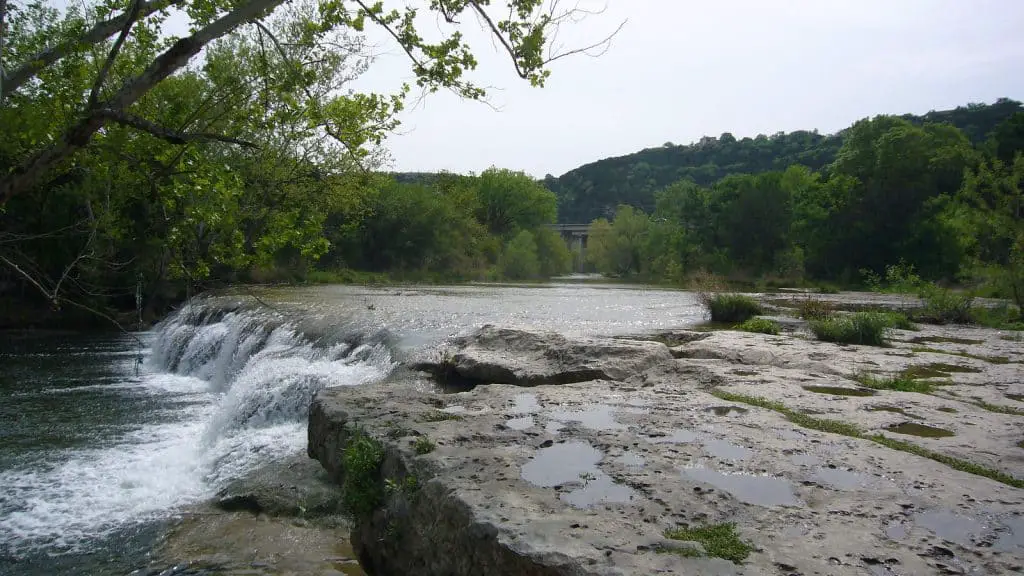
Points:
point(281, 520)
point(586, 477)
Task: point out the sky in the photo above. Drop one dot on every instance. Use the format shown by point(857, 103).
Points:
point(682, 69)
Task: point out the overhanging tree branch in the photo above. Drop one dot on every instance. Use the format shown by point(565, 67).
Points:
point(133, 14)
point(98, 33)
point(172, 136)
point(171, 60)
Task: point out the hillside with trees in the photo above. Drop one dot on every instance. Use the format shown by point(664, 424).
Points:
point(595, 190)
point(919, 195)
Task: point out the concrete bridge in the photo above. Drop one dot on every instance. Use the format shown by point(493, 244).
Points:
point(575, 235)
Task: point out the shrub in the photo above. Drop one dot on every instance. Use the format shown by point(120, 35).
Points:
point(868, 328)
point(361, 460)
point(732, 307)
point(814, 309)
point(760, 326)
point(942, 306)
point(423, 445)
point(828, 289)
point(1002, 317)
point(898, 320)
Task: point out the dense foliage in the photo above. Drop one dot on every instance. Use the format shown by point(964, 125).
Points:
point(137, 166)
point(920, 195)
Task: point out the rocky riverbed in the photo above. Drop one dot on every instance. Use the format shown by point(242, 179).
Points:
point(687, 453)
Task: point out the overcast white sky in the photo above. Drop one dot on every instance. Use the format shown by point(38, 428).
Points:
point(681, 69)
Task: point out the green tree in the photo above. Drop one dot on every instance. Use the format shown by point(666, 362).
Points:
point(519, 260)
point(553, 254)
point(511, 201)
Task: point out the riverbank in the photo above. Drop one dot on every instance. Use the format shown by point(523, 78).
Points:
point(710, 452)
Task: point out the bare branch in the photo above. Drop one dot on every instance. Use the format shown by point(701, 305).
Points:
point(101, 31)
point(133, 14)
point(172, 136)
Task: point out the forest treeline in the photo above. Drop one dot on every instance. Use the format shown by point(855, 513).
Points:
point(923, 196)
point(595, 190)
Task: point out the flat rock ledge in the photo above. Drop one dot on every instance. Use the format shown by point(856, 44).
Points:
point(577, 455)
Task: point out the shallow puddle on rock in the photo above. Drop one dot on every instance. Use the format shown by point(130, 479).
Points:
point(840, 390)
point(915, 429)
point(631, 460)
point(842, 479)
point(575, 463)
point(726, 410)
point(523, 423)
point(951, 526)
point(598, 488)
point(524, 404)
point(805, 459)
point(724, 450)
point(1011, 535)
point(757, 490)
point(885, 409)
point(676, 437)
point(600, 417)
point(561, 464)
point(895, 530)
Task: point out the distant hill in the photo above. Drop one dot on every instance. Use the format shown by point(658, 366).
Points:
point(594, 190)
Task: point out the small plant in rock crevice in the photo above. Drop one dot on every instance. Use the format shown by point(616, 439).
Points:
point(423, 445)
point(361, 459)
point(897, 382)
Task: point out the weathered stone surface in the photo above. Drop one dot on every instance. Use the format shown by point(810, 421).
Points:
point(585, 477)
point(507, 356)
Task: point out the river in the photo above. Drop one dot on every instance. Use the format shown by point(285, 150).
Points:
point(104, 437)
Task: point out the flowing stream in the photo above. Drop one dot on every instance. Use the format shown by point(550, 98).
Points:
point(104, 437)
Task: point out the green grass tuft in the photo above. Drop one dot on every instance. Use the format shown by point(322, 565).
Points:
point(868, 328)
point(760, 326)
point(852, 431)
point(731, 307)
point(423, 445)
point(898, 320)
point(719, 541)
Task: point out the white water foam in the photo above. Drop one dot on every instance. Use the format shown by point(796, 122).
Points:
point(248, 378)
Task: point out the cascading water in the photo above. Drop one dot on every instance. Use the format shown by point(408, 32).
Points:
point(227, 387)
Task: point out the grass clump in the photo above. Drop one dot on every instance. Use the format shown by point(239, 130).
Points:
point(897, 382)
point(898, 320)
point(868, 328)
point(814, 309)
point(728, 307)
point(760, 326)
point(1003, 317)
point(360, 462)
point(423, 445)
point(852, 431)
point(719, 541)
point(828, 289)
point(944, 306)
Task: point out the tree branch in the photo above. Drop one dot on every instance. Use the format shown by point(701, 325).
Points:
point(101, 31)
point(172, 136)
point(178, 55)
point(133, 14)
